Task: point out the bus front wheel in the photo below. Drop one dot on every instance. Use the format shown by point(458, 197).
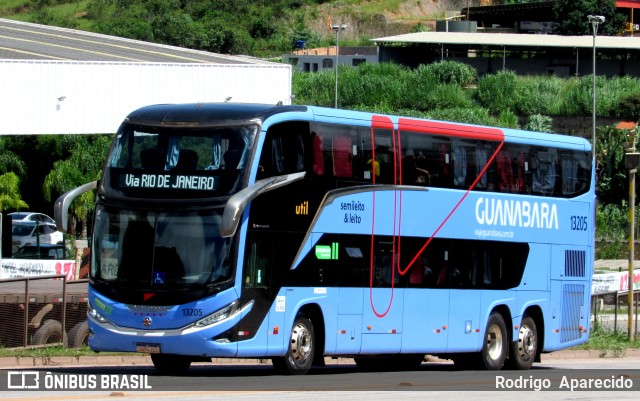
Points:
point(496, 342)
point(523, 351)
point(301, 349)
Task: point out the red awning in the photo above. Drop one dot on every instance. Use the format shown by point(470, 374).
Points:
point(628, 4)
point(627, 125)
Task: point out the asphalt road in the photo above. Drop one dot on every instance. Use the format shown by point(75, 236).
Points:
point(555, 379)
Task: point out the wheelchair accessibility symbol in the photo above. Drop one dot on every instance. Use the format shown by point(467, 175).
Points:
point(159, 277)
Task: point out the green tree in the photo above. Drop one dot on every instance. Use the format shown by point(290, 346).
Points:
point(10, 161)
point(612, 182)
point(10, 193)
point(571, 16)
point(83, 165)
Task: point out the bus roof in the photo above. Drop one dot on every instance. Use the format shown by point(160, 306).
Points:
point(216, 114)
point(205, 114)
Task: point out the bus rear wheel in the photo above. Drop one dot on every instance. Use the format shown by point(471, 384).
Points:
point(172, 365)
point(523, 351)
point(301, 349)
point(496, 342)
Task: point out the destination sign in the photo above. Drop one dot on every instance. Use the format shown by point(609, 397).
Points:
point(168, 181)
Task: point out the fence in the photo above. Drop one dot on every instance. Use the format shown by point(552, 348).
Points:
point(610, 310)
point(34, 311)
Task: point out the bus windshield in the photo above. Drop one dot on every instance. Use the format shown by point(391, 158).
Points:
point(177, 162)
point(149, 251)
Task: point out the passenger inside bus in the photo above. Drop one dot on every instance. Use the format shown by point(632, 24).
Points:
point(152, 158)
point(188, 160)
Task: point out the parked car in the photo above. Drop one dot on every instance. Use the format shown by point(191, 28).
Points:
point(44, 251)
point(23, 217)
point(27, 233)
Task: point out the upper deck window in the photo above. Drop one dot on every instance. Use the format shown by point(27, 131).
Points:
point(179, 162)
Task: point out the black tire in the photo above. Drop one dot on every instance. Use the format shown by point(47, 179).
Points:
point(301, 350)
point(49, 333)
point(496, 343)
point(524, 350)
point(171, 365)
point(79, 334)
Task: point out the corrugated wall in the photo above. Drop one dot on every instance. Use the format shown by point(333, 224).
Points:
point(73, 97)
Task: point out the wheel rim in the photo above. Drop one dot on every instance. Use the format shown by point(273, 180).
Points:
point(494, 342)
point(301, 345)
point(526, 342)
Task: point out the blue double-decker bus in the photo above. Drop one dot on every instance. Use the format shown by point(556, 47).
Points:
point(296, 232)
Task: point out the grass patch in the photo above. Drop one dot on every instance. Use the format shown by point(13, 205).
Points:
point(610, 343)
point(54, 351)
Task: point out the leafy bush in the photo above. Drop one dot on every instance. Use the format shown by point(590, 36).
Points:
point(537, 95)
point(540, 123)
point(497, 91)
point(508, 119)
point(629, 107)
point(612, 221)
point(449, 72)
point(378, 88)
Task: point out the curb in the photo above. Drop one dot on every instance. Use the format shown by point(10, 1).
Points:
point(145, 360)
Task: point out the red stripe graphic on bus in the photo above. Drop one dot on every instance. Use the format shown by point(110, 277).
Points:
point(379, 122)
point(426, 127)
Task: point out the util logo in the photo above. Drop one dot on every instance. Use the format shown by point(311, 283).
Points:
point(303, 208)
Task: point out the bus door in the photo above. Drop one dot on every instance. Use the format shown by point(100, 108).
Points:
point(383, 301)
point(352, 279)
point(267, 262)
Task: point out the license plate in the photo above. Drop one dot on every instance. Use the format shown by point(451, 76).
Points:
point(148, 348)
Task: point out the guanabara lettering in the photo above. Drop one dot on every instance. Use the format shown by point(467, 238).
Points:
point(515, 213)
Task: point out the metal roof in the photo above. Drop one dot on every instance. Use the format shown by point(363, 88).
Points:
point(26, 41)
point(511, 39)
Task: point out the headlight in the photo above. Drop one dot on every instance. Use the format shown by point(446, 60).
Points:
point(96, 314)
point(219, 315)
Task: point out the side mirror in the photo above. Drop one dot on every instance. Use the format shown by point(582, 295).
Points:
point(61, 207)
point(237, 203)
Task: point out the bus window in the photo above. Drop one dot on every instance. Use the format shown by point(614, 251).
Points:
point(318, 159)
point(522, 175)
point(544, 167)
point(481, 151)
point(342, 156)
point(505, 180)
point(575, 168)
point(257, 263)
point(434, 157)
point(288, 149)
point(460, 162)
